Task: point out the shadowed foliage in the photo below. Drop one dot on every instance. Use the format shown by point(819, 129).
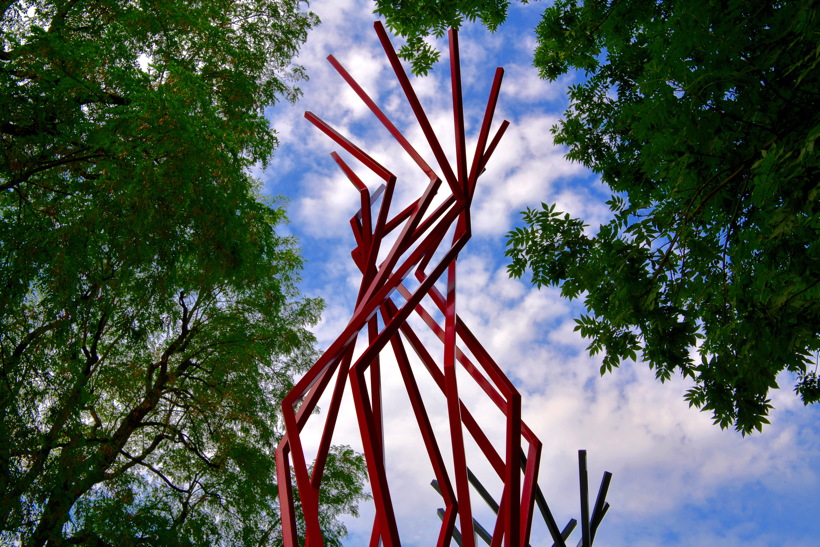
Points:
point(149, 317)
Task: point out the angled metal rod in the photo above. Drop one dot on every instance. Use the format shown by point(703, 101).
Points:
point(488, 388)
point(456, 534)
point(362, 221)
point(395, 279)
point(600, 505)
point(512, 535)
point(345, 143)
point(511, 501)
point(566, 532)
point(300, 465)
point(425, 427)
point(403, 312)
point(472, 427)
point(493, 145)
point(528, 489)
point(381, 286)
point(487, 448)
point(485, 495)
point(488, 363)
point(330, 421)
point(375, 534)
point(490, 501)
point(376, 388)
point(601, 518)
point(285, 487)
point(382, 117)
point(380, 489)
point(363, 313)
point(397, 220)
point(479, 529)
point(483, 134)
point(421, 117)
point(454, 414)
point(558, 536)
point(458, 112)
point(378, 229)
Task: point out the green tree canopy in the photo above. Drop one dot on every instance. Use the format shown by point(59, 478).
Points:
point(701, 117)
point(149, 317)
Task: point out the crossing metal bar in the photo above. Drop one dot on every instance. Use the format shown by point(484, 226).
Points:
point(426, 242)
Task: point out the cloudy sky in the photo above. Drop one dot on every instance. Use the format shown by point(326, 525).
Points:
point(678, 479)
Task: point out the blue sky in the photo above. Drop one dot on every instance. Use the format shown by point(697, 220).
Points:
point(678, 479)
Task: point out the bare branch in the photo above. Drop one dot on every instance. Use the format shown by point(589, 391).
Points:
point(134, 460)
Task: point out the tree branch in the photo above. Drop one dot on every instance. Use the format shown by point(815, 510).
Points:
point(31, 337)
point(58, 21)
point(165, 479)
point(25, 175)
point(134, 460)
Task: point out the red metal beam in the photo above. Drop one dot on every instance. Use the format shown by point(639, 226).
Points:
point(385, 302)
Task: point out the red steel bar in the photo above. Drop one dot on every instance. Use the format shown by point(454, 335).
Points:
point(385, 302)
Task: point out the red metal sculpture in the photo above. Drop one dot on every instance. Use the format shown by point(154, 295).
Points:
point(387, 297)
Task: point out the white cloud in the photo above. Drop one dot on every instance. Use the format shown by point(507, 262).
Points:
point(522, 84)
point(523, 171)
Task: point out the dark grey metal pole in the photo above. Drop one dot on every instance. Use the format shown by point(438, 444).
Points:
point(582, 471)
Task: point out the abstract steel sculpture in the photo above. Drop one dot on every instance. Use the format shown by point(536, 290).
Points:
point(422, 249)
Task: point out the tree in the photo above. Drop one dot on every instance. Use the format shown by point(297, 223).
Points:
point(701, 117)
point(149, 317)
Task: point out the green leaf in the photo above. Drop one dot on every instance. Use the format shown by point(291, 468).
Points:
point(150, 320)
